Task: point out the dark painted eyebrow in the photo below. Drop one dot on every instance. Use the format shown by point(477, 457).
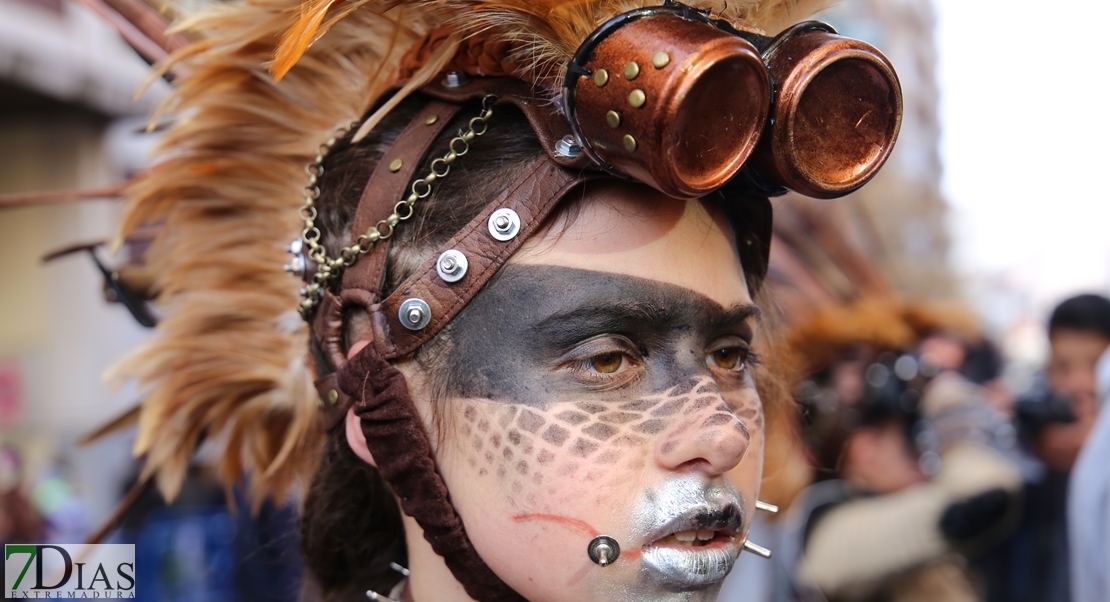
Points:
point(568, 326)
point(740, 312)
point(571, 326)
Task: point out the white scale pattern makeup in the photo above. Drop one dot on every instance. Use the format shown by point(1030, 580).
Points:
point(523, 444)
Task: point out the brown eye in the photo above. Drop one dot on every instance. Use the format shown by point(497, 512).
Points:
point(729, 358)
point(607, 363)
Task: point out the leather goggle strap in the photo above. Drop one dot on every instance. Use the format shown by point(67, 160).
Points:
point(532, 196)
point(550, 126)
point(327, 327)
point(387, 185)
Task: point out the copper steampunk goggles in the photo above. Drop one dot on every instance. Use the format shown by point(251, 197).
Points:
point(673, 98)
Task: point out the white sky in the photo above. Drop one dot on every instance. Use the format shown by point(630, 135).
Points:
point(1026, 126)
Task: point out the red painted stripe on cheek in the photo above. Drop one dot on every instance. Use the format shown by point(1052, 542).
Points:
point(565, 521)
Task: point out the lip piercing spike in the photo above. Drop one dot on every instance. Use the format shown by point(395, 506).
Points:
point(768, 508)
point(400, 569)
point(758, 550)
point(604, 550)
point(373, 595)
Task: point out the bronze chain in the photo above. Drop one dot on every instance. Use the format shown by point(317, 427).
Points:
point(328, 270)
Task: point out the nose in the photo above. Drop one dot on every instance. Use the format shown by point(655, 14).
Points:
point(706, 434)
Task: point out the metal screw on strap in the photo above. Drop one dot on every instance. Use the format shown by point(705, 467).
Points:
point(456, 79)
point(504, 224)
point(296, 265)
point(567, 146)
point(451, 266)
point(414, 314)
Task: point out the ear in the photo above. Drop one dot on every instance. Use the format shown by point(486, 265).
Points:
point(357, 439)
point(353, 351)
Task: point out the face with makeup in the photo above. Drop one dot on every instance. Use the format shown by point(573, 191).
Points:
point(600, 385)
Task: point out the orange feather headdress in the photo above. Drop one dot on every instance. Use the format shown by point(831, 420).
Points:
point(261, 85)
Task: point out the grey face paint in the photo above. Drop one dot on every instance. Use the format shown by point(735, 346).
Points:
point(549, 438)
point(524, 323)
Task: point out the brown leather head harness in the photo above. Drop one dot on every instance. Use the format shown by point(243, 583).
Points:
point(638, 96)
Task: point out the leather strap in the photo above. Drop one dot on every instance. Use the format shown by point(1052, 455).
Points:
point(333, 400)
point(532, 196)
point(395, 435)
point(548, 123)
point(388, 186)
point(393, 428)
point(363, 280)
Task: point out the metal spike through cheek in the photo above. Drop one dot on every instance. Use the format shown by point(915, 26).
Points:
point(603, 550)
point(765, 507)
point(756, 549)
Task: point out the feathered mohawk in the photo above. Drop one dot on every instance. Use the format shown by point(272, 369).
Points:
point(230, 363)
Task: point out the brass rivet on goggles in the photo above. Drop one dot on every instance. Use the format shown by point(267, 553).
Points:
point(808, 110)
point(692, 99)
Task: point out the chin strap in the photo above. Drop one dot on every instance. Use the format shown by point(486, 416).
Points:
point(395, 435)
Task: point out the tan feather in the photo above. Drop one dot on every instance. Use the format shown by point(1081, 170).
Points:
point(545, 34)
point(125, 420)
point(298, 38)
point(430, 69)
point(773, 16)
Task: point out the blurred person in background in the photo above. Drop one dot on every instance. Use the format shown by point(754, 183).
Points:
point(1078, 334)
point(908, 455)
point(812, 344)
point(922, 480)
point(58, 497)
point(1053, 421)
point(1089, 505)
point(212, 543)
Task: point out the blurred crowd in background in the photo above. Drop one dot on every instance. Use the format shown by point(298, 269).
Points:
point(917, 474)
point(938, 428)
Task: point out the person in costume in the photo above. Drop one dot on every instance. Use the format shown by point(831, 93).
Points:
point(521, 353)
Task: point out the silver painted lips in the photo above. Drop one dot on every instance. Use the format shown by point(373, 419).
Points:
point(705, 516)
point(690, 504)
point(690, 567)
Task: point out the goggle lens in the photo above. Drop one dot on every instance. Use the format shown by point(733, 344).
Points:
point(837, 112)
